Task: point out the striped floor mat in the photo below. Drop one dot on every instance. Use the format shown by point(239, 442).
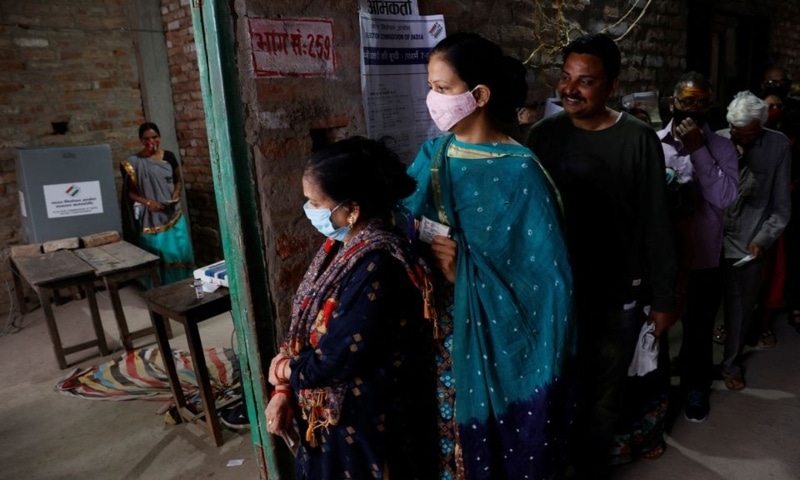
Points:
point(140, 374)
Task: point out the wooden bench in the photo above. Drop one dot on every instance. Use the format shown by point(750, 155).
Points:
point(120, 262)
point(48, 272)
point(178, 301)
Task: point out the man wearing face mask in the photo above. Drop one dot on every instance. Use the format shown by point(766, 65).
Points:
point(609, 168)
point(707, 163)
point(776, 82)
point(786, 119)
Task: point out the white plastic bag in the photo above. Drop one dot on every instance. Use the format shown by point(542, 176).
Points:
point(645, 357)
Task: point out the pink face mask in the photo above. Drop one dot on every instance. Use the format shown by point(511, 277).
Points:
point(152, 145)
point(447, 110)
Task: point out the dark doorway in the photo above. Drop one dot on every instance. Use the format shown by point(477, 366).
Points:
point(729, 43)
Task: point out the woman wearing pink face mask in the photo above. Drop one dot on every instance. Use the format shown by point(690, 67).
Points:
point(152, 214)
point(504, 295)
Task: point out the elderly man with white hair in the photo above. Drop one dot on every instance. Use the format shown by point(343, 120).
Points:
point(754, 221)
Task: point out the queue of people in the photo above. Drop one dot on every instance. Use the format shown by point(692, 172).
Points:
point(475, 315)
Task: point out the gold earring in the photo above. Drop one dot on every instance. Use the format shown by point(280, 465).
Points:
point(350, 222)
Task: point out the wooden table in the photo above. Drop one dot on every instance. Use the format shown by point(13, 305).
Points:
point(177, 301)
point(119, 262)
point(48, 272)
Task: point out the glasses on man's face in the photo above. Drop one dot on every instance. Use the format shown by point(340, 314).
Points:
point(691, 102)
point(775, 82)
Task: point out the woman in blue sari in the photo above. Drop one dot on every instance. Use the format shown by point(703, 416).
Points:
point(153, 218)
point(504, 296)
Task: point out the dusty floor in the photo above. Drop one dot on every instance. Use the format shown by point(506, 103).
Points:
point(44, 435)
point(48, 435)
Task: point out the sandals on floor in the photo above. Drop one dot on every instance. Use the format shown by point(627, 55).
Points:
point(734, 383)
point(655, 452)
point(767, 340)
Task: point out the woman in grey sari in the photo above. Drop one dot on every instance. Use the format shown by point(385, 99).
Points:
point(151, 201)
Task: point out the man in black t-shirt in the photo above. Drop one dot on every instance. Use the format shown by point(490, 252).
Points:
point(609, 169)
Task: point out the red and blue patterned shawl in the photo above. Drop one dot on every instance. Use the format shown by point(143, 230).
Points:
point(315, 304)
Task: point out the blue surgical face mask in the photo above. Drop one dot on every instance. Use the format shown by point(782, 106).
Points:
point(321, 219)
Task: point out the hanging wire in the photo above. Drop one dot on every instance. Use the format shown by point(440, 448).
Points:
point(559, 30)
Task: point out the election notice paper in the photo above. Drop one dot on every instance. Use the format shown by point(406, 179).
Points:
point(394, 78)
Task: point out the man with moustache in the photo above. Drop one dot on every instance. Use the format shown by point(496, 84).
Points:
point(708, 163)
point(609, 169)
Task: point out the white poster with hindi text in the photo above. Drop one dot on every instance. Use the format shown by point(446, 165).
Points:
point(394, 78)
point(391, 8)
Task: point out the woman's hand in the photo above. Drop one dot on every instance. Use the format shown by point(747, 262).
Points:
point(279, 413)
point(152, 205)
point(279, 370)
point(444, 252)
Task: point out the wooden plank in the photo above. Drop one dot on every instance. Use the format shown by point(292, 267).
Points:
point(100, 261)
point(115, 257)
point(51, 267)
point(26, 250)
point(102, 238)
point(129, 254)
point(177, 300)
point(61, 244)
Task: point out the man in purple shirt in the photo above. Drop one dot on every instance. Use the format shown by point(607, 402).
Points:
point(707, 164)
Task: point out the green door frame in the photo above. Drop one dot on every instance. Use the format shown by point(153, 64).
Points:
point(240, 221)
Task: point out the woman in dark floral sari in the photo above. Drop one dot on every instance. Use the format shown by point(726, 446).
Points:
point(354, 378)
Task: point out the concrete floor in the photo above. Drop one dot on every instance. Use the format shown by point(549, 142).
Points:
point(44, 435)
point(48, 435)
point(753, 434)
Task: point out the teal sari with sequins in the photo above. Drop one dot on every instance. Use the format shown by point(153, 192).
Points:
point(164, 233)
point(508, 327)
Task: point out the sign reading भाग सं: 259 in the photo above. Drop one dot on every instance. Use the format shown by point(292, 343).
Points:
point(292, 47)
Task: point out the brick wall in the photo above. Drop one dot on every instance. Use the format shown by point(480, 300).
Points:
point(281, 114)
point(786, 39)
point(284, 115)
point(62, 61)
point(653, 48)
point(191, 131)
point(80, 66)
